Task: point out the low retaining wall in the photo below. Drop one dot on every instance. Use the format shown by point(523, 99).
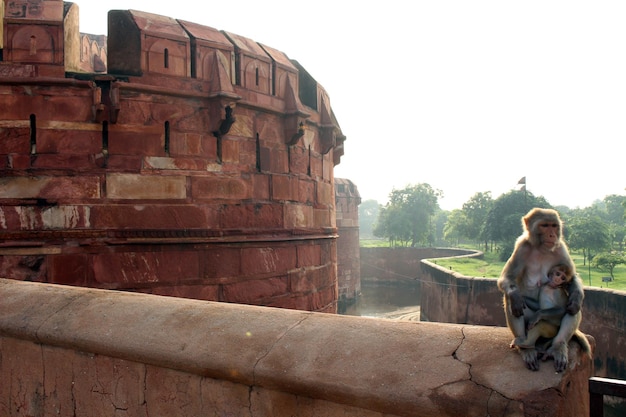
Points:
point(81, 352)
point(449, 297)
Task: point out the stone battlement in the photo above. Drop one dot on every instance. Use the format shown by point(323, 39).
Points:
point(199, 165)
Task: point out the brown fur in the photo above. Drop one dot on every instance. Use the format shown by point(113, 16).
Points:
point(539, 248)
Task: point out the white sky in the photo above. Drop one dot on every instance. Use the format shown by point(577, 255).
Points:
point(466, 96)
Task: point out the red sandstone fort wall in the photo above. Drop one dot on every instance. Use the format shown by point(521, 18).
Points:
point(204, 175)
point(347, 200)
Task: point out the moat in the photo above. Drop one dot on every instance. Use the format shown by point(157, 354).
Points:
point(398, 301)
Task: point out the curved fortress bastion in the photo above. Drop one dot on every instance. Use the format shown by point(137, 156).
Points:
point(176, 159)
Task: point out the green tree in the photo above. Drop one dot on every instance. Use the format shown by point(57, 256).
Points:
point(456, 226)
point(440, 220)
point(476, 210)
point(368, 213)
point(607, 261)
point(407, 217)
point(587, 233)
point(615, 207)
point(504, 224)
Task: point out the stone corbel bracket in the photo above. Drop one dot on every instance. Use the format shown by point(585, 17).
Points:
point(222, 99)
point(295, 115)
point(225, 120)
point(329, 129)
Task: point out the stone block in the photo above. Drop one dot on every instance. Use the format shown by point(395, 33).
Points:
point(220, 262)
point(308, 255)
point(14, 140)
point(230, 150)
point(309, 280)
point(219, 188)
point(76, 142)
point(323, 217)
point(325, 194)
point(167, 163)
point(263, 260)
point(50, 187)
point(279, 161)
point(153, 216)
point(19, 162)
point(255, 291)
point(30, 265)
point(123, 163)
point(298, 160)
point(284, 188)
point(298, 216)
point(193, 144)
point(260, 186)
point(63, 162)
point(306, 193)
point(317, 166)
point(141, 269)
point(74, 269)
point(127, 142)
point(251, 216)
point(145, 187)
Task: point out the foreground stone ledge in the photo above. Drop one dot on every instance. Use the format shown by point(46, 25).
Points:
point(267, 362)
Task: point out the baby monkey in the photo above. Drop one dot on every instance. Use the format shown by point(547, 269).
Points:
point(550, 309)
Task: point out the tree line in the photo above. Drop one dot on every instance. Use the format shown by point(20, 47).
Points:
point(413, 218)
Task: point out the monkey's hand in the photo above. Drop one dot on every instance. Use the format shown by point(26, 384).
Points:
point(559, 352)
point(573, 307)
point(530, 359)
point(516, 302)
point(533, 320)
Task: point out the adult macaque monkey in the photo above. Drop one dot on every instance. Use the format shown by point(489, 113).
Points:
point(536, 251)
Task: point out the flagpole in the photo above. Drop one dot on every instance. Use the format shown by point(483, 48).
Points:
point(522, 181)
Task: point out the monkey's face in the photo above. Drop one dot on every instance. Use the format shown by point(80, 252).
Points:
point(557, 278)
point(548, 231)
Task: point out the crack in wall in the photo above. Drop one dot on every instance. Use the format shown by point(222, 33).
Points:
point(251, 387)
point(272, 347)
point(492, 392)
point(50, 316)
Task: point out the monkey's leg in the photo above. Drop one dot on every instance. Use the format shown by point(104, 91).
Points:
point(559, 349)
point(518, 328)
point(542, 329)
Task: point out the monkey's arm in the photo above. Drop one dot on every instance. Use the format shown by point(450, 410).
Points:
point(508, 280)
point(576, 295)
point(551, 315)
point(531, 303)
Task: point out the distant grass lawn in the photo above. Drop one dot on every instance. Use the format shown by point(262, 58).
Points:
point(490, 267)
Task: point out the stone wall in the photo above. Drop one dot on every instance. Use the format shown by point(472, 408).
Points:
point(204, 175)
point(69, 351)
point(400, 264)
point(347, 200)
point(449, 297)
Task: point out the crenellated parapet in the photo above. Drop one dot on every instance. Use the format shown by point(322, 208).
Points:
point(174, 159)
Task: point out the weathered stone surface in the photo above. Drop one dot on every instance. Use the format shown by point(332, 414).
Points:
point(114, 351)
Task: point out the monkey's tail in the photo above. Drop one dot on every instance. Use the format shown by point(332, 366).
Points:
point(583, 342)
